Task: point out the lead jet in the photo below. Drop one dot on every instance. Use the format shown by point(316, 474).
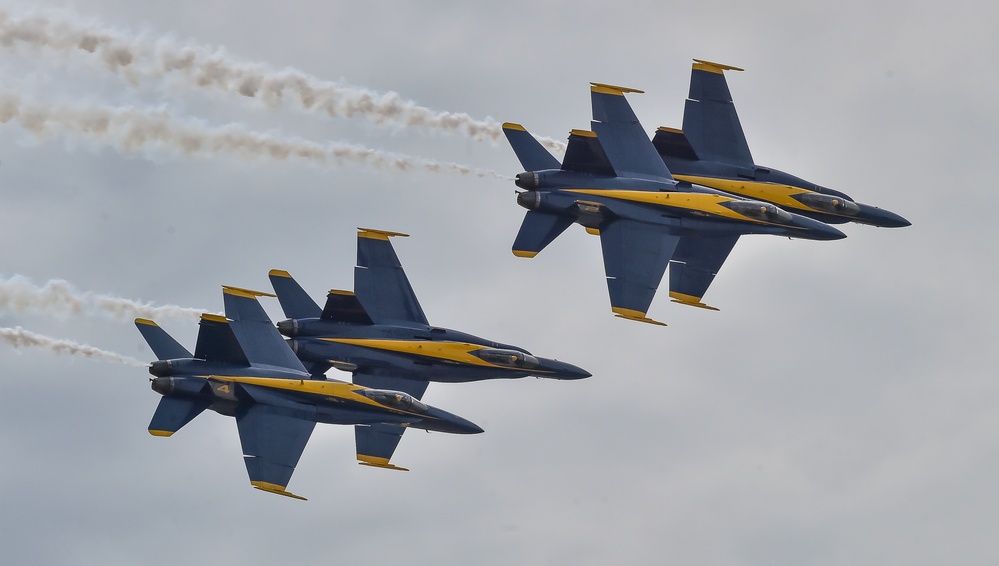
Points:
point(613, 182)
point(380, 334)
point(711, 150)
point(242, 368)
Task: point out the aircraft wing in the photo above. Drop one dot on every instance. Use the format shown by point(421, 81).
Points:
point(273, 442)
point(710, 121)
point(376, 443)
point(256, 334)
point(695, 263)
point(380, 282)
point(635, 257)
point(625, 143)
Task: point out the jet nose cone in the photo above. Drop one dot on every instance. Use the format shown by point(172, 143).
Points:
point(881, 218)
point(815, 230)
point(561, 370)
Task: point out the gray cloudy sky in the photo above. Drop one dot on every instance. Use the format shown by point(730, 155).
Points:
point(839, 409)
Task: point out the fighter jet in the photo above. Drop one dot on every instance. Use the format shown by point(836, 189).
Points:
point(711, 150)
point(379, 332)
point(242, 368)
point(613, 182)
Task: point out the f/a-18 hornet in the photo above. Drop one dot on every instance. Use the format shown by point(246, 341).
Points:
point(242, 368)
point(380, 334)
point(614, 183)
point(711, 150)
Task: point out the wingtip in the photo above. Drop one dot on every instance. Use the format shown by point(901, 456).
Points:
point(638, 316)
point(377, 462)
point(690, 300)
point(274, 488)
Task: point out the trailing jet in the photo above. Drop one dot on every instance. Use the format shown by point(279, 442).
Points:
point(242, 368)
point(711, 150)
point(613, 182)
point(379, 333)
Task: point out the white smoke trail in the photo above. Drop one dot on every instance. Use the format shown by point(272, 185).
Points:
point(58, 298)
point(20, 338)
point(212, 69)
point(130, 129)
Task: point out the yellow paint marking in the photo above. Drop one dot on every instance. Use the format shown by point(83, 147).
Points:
point(512, 126)
point(279, 273)
point(702, 65)
point(341, 292)
point(214, 318)
point(524, 253)
point(603, 88)
point(772, 192)
point(378, 234)
point(246, 293)
point(376, 462)
point(672, 130)
point(163, 433)
point(583, 133)
point(632, 314)
point(452, 351)
point(594, 231)
point(145, 321)
point(275, 488)
point(691, 300)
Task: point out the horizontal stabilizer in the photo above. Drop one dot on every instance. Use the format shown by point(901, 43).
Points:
point(380, 283)
point(295, 302)
point(537, 231)
point(162, 344)
point(173, 413)
point(710, 121)
point(217, 343)
point(343, 306)
point(532, 155)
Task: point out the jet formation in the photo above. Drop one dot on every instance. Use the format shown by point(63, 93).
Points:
point(628, 190)
point(277, 390)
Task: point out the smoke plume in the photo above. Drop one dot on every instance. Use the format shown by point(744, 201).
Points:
point(202, 67)
point(20, 338)
point(59, 299)
point(130, 130)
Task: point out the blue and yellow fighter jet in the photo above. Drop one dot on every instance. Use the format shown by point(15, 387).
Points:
point(614, 183)
point(379, 333)
point(242, 368)
point(711, 150)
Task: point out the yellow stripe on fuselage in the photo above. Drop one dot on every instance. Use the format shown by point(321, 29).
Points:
point(452, 351)
point(771, 192)
point(340, 390)
point(708, 204)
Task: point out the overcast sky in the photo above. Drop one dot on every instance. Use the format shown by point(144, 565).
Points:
point(839, 409)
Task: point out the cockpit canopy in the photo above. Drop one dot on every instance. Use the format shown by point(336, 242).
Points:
point(828, 203)
point(394, 399)
point(763, 211)
point(507, 358)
